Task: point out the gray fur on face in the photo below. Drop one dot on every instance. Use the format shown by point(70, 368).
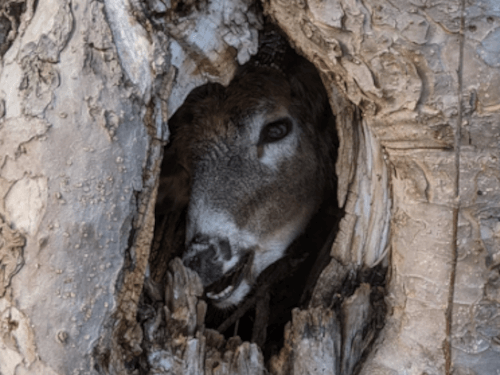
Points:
point(252, 162)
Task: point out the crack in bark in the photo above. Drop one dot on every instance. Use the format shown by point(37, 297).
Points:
point(456, 210)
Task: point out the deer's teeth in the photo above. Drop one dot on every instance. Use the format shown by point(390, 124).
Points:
point(221, 295)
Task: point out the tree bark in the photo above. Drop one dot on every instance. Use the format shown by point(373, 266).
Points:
point(86, 90)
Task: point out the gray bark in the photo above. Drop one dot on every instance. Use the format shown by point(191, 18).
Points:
point(86, 90)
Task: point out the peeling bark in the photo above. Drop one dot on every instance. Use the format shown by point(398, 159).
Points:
point(86, 90)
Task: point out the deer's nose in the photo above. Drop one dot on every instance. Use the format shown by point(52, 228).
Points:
point(221, 246)
point(206, 255)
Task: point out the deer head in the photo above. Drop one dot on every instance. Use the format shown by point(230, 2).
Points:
point(252, 162)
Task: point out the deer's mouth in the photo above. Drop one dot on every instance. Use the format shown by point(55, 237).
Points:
point(225, 286)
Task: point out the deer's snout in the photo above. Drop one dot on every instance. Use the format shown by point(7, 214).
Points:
point(206, 256)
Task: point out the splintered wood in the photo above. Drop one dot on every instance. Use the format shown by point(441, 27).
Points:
point(317, 341)
point(189, 348)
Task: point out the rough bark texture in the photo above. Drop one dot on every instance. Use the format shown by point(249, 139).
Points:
point(86, 89)
point(423, 75)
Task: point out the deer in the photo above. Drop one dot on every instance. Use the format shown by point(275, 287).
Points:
point(251, 163)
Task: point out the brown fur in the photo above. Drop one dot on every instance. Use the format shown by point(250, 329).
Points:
point(213, 157)
point(211, 112)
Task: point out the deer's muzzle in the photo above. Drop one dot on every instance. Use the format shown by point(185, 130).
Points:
point(210, 258)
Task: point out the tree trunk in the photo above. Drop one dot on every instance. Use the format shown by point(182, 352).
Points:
point(86, 90)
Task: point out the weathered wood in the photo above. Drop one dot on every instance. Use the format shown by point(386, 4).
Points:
point(187, 347)
point(86, 89)
point(416, 74)
point(312, 344)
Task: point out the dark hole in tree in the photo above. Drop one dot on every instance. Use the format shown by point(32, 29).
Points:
point(287, 283)
point(284, 285)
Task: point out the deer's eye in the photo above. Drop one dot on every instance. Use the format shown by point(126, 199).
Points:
point(275, 131)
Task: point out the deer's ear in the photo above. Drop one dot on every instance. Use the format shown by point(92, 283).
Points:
point(192, 106)
point(306, 86)
point(175, 177)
